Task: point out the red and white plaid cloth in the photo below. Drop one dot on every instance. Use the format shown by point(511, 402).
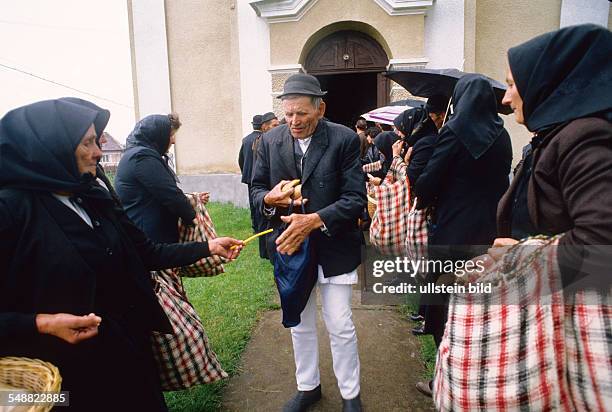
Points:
point(372, 167)
point(389, 223)
point(184, 358)
point(521, 347)
point(203, 231)
point(416, 235)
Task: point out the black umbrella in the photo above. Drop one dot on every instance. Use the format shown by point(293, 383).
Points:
point(427, 82)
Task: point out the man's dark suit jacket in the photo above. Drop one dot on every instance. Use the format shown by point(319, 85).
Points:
point(332, 181)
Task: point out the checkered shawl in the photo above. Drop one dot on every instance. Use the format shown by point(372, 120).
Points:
point(201, 232)
point(184, 358)
point(539, 355)
point(389, 223)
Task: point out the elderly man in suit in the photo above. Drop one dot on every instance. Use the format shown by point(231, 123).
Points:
point(325, 157)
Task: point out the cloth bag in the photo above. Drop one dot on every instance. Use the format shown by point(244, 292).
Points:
point(295, 276)
point(184, 358)
point(417, 236)
point(203, 231)
point(390, 220)
point(522, 347)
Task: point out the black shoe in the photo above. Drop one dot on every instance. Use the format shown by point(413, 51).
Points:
point(425, 388)
point(351, 405)
point(419, 330)
point(302, 400)
point(415, 317)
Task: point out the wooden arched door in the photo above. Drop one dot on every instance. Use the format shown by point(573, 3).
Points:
point(349, 65)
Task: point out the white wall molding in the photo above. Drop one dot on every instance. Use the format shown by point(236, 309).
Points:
point(405, 7)
point(287, 68)
point(281, 11)
point(395, 64)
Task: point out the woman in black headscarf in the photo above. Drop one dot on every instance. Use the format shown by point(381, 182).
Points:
point(463, 181)
point(560, 88)
point(147, 185)
point(74, 283)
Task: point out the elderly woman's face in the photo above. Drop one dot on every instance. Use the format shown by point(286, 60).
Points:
point(513, 99)
point(88, 153)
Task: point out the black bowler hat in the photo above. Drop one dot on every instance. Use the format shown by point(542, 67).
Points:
point(303, 84)
point(257, 122)
point(267, 117)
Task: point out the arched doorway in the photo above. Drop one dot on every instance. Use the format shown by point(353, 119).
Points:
point(349, 64)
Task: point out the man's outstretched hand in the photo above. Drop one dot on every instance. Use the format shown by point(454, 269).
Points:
point(299, 227)
point(277, 198)
point(222, 246)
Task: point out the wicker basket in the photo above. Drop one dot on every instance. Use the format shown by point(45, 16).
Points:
point(31, 375)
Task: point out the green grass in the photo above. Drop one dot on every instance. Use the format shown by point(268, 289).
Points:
point(428, 347)
point(229, 305)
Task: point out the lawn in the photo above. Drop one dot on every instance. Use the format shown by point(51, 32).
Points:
point(428, 346)
point(229, 305)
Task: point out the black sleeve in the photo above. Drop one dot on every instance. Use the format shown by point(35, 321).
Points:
point(421, 153)
point(428, 184)
point(352, 197)
point(162, 187)
point(156, 256)
point(241, 157)
point(12, 324)
point(260, 179)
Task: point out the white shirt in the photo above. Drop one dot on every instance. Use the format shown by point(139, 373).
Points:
point(75, 208)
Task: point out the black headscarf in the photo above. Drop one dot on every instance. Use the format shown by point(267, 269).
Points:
point(475, 121)
point(101, 120)
point(384, 141)
point(410, 120)
point(37, 145)
point(564, 75)
point(152, 133)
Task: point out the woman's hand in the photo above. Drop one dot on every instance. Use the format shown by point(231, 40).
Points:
point(397, 147)
point(376, 181)
point(226, 247)
point(500, 247)
point(70, 328)
point(407, 156)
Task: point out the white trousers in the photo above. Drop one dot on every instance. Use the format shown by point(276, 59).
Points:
point(337, 314)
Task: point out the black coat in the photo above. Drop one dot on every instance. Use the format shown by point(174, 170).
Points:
point(421, 153)
point(146, 184)
point(465, 191)
point(246, 155)
point(332, 181)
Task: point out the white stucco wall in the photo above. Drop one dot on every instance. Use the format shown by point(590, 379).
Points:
point(584, 11)
point(444, 34)
point(255, 81)
point(150, 57)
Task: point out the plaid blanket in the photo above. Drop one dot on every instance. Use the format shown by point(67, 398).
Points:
point(201, 232)
point(184, 358)
point(521, 347)
point(389, 223)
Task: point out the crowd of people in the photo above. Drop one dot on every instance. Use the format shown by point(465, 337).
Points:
point(77, 252)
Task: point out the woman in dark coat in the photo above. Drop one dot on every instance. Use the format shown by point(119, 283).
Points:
point(147, 185)
point(74, 283)
point(560, 88)
point(464, 180)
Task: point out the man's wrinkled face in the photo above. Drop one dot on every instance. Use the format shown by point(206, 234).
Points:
point(301, 116)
